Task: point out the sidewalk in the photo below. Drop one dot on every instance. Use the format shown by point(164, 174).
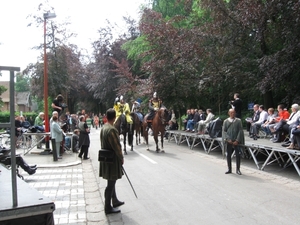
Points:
point(71, 184)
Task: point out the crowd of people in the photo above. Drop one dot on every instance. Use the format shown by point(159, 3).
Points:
point(280, 126)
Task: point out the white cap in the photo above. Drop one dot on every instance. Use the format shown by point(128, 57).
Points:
point(154, 95)
point(121, 97)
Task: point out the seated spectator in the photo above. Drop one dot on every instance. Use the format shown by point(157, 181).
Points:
point(186, 118)
point(172, 125)
point(5, 159)
point(75, 139)
point(39, 122)
point(191, 121)
point(202, 124)
point(263, 116)
point(283, 115)
point(269, 121)
point(254, 118)
point(290, 126)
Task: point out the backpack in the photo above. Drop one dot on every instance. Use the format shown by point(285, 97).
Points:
point(215, 128)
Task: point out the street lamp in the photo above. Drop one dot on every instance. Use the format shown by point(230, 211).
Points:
point(47, 15)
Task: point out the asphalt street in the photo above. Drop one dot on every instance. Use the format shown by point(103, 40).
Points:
point(184, 186)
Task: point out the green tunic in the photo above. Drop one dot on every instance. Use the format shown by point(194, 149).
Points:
point(233, 131)
point(109, 138)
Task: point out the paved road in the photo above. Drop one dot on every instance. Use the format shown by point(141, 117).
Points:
point(183, 186)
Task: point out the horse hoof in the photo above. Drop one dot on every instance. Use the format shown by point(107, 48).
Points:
point(162, 151)
point(125, 153)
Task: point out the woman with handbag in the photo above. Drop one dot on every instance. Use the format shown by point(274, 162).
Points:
point(111, 171)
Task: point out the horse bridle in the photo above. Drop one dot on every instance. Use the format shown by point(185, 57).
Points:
point(162, 119)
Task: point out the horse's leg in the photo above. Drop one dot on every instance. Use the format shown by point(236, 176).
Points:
point(155, 136)
point(136, 137)
point(162, 140)
point(145, 135)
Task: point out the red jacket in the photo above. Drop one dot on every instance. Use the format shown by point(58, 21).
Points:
point(283, 115)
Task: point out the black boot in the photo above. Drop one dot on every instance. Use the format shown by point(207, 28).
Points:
point(115, 201)
point(228, 163)
point(30, 171)
point(107, 207)
point(25, 166)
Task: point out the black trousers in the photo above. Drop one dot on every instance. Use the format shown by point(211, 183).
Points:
point(108, 193)
point(84, 150)
point(237, 150)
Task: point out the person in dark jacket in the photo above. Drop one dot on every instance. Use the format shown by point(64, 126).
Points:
point(233, 138)
point(110, 140)
point(84, 138)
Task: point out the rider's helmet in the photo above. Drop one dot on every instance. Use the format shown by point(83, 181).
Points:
point(154, 95)
point(121, 99)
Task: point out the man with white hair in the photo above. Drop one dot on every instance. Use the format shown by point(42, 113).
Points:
point(291, 121)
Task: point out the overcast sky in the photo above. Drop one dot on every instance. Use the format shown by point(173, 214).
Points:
point(86, 17)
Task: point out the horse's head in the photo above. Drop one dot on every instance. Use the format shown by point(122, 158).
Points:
point(163, 115)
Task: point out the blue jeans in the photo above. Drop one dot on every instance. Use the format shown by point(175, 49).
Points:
point(190, 125)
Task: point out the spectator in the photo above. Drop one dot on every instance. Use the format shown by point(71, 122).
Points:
point(195, 119)
point(88, 120)
point(290, 123)
point(6, 160)
point(263, 116)
point(186, 118)
point(172, 124)
point(204, 123)
point(270, 120)
point(39, 121)
point(254, 118)
point(56, 134)
point(84, 139)
point(96, 121)
point(283, 115)
point(75, 141)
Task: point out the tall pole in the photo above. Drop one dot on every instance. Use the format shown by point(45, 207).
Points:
point(46, 89)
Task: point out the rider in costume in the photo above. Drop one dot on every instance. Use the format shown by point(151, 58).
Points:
point(121, 107)
point(136, 109)
point(154, 104)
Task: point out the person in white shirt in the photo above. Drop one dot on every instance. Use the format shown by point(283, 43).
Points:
point(263, 116)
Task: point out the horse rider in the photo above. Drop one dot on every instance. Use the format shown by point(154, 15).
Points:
point(122, 109)
point(136, 109)
point(154, 104)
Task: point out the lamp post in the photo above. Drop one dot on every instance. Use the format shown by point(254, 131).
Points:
point(46, 16)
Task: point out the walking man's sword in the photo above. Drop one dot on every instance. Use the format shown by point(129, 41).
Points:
point(129, 181)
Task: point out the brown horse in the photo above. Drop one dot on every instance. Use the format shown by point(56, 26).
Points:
point(138, 127)
point(125, 131)
point(159, 123)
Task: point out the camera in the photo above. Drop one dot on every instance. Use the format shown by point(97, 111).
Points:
point(63, 105)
